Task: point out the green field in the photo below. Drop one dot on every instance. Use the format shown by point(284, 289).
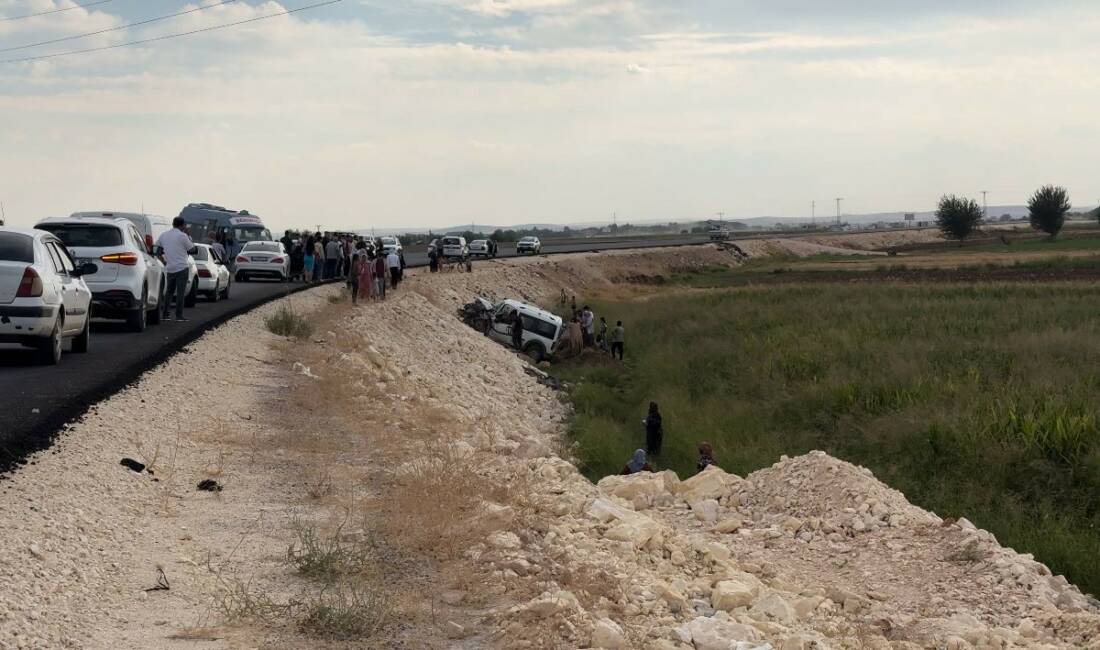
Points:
point(974, 400)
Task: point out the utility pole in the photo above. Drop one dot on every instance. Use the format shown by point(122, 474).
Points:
point(813, 213)
point(838, 200)
point(721, 217)
point(985, 206)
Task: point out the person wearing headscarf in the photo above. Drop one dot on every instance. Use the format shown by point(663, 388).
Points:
point(654, 430)
point(637, 464)
point(706, 457)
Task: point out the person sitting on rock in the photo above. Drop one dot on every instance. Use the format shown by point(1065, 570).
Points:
point(637, 464)
point(706, 457)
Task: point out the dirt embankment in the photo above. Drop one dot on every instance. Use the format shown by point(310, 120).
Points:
point(397, 480)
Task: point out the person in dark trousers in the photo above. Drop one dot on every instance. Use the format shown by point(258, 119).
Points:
point(654, 430)
point(175, 246)
point(637, 464)
point(706, 457)
point(618, 336)
point(517, 331)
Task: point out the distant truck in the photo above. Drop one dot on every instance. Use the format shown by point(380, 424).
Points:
point(718, 233)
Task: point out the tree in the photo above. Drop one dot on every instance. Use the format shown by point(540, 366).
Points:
point(958, 216)
point(1047, 209)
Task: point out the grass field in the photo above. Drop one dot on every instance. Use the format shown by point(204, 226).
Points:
point(974, 400)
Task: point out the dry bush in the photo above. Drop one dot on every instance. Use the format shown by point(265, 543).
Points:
point(346, 609)
point(329, 556)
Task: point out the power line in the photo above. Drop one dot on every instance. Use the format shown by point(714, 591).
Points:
point(171, 36)
point(4, 19)
point(115, 29)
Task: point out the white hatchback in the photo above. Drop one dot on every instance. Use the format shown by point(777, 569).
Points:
point(43, 297)
point(263, 259)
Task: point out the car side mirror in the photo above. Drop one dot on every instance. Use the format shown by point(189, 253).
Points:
point(86, 268)
point(157, 251)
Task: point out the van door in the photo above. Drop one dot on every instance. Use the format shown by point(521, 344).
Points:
point(501, 329)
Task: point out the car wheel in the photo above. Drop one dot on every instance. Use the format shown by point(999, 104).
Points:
point(225, 292)
point(154, 316)
point(215, 295)
point(193, 296)
point(80, 343)
point(49, 350)
point(535, 351)
point(135, 320)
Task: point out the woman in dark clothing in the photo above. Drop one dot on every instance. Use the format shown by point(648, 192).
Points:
point(654, 431)
point(637, 464)
point(517, 331)
point(706, 457)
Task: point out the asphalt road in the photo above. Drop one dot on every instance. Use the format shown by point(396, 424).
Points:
point(36, 401)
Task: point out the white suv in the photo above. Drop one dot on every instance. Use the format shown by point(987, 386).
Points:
point(43, 297)
point(529, 245)
point(454, 248)
point(129, 283)
point(540, 328)
point(390, 244)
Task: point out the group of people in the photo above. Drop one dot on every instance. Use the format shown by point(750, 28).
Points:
point(369, 270)
point(654, 440)
point(583, 328)
point(322, 257)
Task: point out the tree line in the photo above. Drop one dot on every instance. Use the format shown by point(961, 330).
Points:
point(958, 217)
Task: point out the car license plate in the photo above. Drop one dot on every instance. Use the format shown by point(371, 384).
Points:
point(260, 259)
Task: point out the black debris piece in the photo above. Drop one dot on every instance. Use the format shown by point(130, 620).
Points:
point(210, 485)
point(132, 464)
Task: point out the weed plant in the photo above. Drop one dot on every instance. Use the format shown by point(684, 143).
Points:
point(974, 400)
point(287, 322)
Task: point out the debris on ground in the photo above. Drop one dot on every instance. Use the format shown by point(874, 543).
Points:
point(210, 485)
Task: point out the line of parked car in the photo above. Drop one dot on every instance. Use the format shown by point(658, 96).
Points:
point(55, 277)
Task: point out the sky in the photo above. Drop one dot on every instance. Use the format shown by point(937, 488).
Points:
point(422, 113)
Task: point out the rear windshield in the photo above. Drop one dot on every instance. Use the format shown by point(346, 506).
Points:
point(76, 235)
point(261, 246)
point(388, 241)
point(16, 248)
point(201, 254)
point(450, 241)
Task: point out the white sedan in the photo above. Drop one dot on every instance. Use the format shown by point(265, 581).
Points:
point(214, 277)
point(263, 259)
point(43, 297)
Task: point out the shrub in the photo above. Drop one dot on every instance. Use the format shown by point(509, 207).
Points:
point(957, 216)
point(287, 322)
point(1047, 209)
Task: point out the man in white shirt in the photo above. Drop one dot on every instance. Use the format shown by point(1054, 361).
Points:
point(175, 245)
point(393, 261)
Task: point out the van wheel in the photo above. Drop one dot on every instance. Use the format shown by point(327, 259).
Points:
point(49, 349)
point(80, 343)
point(135, 320)
point(535, 351)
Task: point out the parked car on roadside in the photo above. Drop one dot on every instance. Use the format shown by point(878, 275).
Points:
point(214, 277)
point(483, 248)
point(541, 329)
point(454, 248)
point(149, 226)
point(43, 296)
point(389, 244)
point(129, 281)
point(529, 245)
point(263, 259)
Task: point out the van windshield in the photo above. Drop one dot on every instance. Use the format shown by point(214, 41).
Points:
point(249, 233)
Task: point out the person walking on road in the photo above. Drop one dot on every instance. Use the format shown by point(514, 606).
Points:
point(654, 430)
point(618, 336)
point(176, 246)
point(366, 272)
point(393, 262)
point(308, 261)
point(332, 258)
point(318, 259)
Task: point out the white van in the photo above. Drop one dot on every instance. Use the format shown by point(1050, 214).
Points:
point(541, 329)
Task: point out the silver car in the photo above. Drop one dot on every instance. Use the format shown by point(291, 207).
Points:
point(129, 283)
point(43, 296)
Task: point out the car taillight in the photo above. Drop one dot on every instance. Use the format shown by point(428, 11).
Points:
point(277, 260)
point(204, 273)
point(30, 286)
point(242, 259)
point(125, 259)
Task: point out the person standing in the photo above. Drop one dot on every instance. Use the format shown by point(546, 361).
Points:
point(618, 336)
point(654, 430)
point(318, 259)
point(433, 261)
point(517, 331)
point(366, 271)
point(380, 275)
point(601, 335)
point(308, 261)
point(393, 262)
point(588, 323)
point(175, 247)
point(332, 258)
point(219, 249)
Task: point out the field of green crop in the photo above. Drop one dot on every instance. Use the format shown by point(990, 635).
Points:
point(975, 401)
